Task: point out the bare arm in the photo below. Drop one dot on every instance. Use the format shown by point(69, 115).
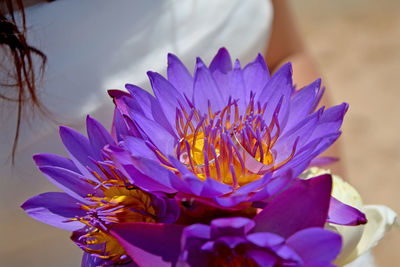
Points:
point(286, 45)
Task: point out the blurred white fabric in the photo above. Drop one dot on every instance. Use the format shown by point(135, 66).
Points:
point(92, 46)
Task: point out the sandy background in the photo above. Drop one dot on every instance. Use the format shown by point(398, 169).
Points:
point(357, 46)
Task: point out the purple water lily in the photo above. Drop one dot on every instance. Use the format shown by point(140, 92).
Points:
point(96, 195)
point(287, 232)
point(228, 134)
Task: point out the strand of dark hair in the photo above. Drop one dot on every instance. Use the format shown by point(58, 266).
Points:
point(24, 77)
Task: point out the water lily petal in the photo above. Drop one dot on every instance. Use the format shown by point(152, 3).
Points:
point(256, 76)
point(262, 258)
point(150, 244)
point(119, 127)
point(316, 245)
point(221, 62)
point(238, 87)
point(157, 134)
point(98, 136)
point(55, 209)
point(79, 150)
point(342, 214)
point(302, 103)
point(331, 120)
point(295, 202)
point(148, 106)
point(42, 160)
point(279, 86)
point(70, 182)
point(206, 90)
point(179, 76)
point(167, 96)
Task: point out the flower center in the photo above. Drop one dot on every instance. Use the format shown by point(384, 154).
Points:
point(230, 147)
point(120, 202)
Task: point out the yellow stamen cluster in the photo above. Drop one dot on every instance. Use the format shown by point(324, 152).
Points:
point(231, 148)
point(118, 202)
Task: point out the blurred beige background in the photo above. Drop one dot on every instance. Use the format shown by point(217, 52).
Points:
point(357, 46)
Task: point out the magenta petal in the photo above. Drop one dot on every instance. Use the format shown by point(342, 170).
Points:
point(179, 76)
point(150, 244)
point(262, 258)
point(206, 90)
point(236, 226)
point(222, 61)
point(340, 213)
point(98, 136)
point(55, 208)
point(316, 245)
point(304, 204)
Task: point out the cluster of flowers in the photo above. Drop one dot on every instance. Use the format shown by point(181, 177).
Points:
point(208, 172)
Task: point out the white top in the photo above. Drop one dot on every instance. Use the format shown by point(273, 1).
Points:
point(92, 46)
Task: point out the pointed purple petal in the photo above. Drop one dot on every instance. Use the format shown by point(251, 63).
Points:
point(167, 96)
point(70, 182)
point(213, 188)
point(238, 87)
point(42, 160)
point(79, 150)
point(306, 200)
point(302, 103)
point(222, 61)
point(280, 86)
point(137, 148)
point(179, 76)
point(150, 244)
point(144, 173)
point(148, 106)
point(119, 127)
point(98, 136)
point(206, 90)
point(158, 135)
point(256, 76)
point(342, 214)
point(55, 208)
point(330, 121)
point(316, 245)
